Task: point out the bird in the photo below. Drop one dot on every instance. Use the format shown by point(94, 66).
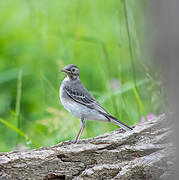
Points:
point(80, 103)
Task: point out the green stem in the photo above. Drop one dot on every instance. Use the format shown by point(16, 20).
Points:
point(130, 42)
point(113, 100)
point(140, 104)
point(18, 101)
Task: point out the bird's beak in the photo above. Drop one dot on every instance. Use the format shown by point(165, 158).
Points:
point(65, 71)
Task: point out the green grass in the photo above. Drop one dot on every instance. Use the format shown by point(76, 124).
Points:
point(19, 132)
point(38, 38)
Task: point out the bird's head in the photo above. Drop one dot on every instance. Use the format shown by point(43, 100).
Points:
point(72, 71)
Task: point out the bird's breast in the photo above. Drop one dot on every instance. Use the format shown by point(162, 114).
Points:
point(69, 104)
point(78, 110)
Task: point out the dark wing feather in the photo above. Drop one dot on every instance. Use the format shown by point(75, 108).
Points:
point(84, 98)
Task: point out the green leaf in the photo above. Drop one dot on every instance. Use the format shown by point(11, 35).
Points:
point(141, 106)
point(18, 131)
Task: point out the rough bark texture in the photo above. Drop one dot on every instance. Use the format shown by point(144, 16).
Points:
point(144, 153)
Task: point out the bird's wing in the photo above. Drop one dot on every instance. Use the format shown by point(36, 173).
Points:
point(82, 96)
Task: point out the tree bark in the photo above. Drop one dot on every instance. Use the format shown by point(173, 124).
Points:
point(146, 152)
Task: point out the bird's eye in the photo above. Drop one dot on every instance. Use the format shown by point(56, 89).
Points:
point(73, 70)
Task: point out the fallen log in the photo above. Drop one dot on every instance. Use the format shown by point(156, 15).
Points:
point(146, 152)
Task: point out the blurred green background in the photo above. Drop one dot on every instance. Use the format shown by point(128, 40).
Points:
point(104, 38)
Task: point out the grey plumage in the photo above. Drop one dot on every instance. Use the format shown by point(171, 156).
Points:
point(80, 103)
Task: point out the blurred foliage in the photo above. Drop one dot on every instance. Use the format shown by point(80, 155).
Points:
point(38, 38)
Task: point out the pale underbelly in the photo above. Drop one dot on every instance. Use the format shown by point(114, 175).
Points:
point(80, 111)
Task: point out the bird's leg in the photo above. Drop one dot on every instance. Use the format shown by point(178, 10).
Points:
point(81, 130)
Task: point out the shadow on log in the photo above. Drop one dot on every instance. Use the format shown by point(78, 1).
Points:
point(144, 153)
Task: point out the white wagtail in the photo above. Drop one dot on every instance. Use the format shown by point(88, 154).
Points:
point(80, 103)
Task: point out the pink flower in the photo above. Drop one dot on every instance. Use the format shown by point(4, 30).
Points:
point(149, 117)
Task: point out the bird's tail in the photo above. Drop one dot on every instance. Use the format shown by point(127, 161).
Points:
point(117, 122)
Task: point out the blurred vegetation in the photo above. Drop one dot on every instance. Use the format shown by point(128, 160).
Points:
point(38, 38)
